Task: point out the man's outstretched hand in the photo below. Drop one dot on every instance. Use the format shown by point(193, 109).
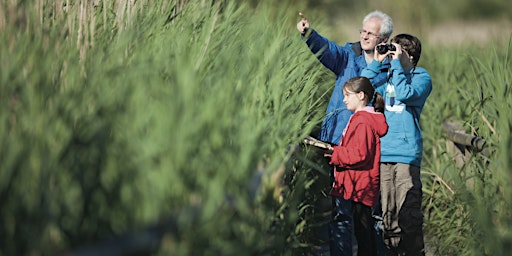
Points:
point(303, 25)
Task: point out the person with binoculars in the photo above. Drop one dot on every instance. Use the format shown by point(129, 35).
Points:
point(405, 93)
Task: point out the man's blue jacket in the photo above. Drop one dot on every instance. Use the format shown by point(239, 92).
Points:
point(345, 62)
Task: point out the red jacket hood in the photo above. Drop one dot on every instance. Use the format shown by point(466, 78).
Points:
point(377, 120)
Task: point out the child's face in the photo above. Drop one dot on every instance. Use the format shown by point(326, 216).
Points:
point(353, 100)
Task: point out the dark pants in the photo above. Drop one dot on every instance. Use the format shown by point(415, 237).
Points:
point(341, 227)
point(352, 219)
point(364, 230)
point(377, 218)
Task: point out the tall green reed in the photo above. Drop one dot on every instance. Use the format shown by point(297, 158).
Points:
point(467, 207)
point(171, 111)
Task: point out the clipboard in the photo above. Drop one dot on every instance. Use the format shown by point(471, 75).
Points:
point(317, 143)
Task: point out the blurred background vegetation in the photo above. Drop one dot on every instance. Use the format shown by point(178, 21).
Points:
point(173, 127)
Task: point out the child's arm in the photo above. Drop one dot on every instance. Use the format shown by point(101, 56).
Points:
point(358, 148)
point(372, 70)
point(414, 91)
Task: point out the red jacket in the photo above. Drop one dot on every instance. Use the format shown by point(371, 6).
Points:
point(357, 158)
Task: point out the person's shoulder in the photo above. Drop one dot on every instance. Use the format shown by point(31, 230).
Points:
point(362, 117)
point(374, 116)
point(375, 121)
point(420, 70)
point(421, 73)
point(356, 48)
point(356, 118)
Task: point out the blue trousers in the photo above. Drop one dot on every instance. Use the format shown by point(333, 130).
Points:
point(352, 219)
point(341, 227)
point(377, 216)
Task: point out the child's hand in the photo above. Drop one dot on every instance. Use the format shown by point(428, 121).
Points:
point(328, 151)
point(380, 57)
point(398, 52)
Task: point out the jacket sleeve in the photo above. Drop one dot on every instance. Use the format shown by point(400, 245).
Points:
point(372, 71)
point(331, 55)
point(413, 92)
point(357, 149)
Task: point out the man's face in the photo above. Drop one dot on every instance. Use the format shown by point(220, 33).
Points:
point(369, 34)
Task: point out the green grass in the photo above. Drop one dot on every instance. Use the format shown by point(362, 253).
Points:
point(472, 217)
point(158, 117)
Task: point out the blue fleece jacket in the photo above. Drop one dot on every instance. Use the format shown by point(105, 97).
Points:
point(405, 94)
point(345, 63)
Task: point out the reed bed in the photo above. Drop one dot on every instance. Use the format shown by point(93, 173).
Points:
point(121, 116)
point(467, 209)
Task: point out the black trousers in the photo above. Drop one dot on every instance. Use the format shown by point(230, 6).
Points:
point(364, 229)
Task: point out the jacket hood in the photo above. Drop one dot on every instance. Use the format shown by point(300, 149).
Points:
point(378, 120)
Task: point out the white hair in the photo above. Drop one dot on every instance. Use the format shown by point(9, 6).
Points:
point(386, 23)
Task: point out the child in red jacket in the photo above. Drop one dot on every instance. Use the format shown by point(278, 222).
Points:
point(357, 158)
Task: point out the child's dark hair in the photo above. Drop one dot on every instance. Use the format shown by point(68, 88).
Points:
point(362, 84)
point(410, 44)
